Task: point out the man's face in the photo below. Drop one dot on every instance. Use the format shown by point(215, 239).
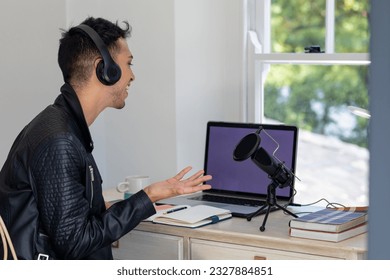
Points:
point(119, 91)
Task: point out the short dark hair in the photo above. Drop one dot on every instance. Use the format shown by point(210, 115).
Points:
point(77, 51)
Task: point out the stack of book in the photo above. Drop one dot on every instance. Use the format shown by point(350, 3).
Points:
point(331, 224)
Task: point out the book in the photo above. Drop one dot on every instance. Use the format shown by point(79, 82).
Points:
point(190, 216)
point(329, 236)
point(331, 219)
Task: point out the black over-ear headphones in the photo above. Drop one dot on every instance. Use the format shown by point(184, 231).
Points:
point(107, 71)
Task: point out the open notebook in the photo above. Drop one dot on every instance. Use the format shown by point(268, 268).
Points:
point(191, 217)
point(241, 187)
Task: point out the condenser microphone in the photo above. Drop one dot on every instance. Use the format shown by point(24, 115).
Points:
point(280, 175)
point(249, 147)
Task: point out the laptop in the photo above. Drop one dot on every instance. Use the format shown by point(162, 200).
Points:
point(241, 186)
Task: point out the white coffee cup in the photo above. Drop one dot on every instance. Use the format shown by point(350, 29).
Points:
point(133, 184)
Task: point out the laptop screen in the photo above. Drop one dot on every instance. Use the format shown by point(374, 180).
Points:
point(245, 177)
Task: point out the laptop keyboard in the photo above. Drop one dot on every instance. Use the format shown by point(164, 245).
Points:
point(229, 200)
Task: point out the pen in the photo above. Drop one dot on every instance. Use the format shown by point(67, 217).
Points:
point(175, 210)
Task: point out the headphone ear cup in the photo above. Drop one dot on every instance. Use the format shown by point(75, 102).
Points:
point(108, 75)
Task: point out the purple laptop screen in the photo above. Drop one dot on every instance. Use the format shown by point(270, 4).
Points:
point(245, 176)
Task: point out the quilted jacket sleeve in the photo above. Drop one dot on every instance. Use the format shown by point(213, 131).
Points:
point(75, 233)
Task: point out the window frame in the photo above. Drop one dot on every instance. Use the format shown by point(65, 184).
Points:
point(259, 56)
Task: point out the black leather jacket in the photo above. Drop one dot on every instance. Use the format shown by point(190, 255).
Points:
point(51, 194)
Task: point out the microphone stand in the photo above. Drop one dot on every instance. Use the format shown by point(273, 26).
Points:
point(270, 201)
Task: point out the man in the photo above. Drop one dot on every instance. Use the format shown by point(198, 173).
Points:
point(50, 187)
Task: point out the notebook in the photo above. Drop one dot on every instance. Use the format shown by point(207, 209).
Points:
point(190, 216)
point(241, 186)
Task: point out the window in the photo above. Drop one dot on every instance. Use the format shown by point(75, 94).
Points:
point(319, 91)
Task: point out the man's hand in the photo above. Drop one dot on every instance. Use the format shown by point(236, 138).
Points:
point(177, 185)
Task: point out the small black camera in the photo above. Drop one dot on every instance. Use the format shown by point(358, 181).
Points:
point(313, 49)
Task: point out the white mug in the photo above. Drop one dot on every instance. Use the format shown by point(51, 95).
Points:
point(133, 184)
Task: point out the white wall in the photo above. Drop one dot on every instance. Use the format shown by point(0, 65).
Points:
point(208, 71)
point(29, 75)
point(187, 72)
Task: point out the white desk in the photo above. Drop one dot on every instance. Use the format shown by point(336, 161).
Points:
point(235, 238)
